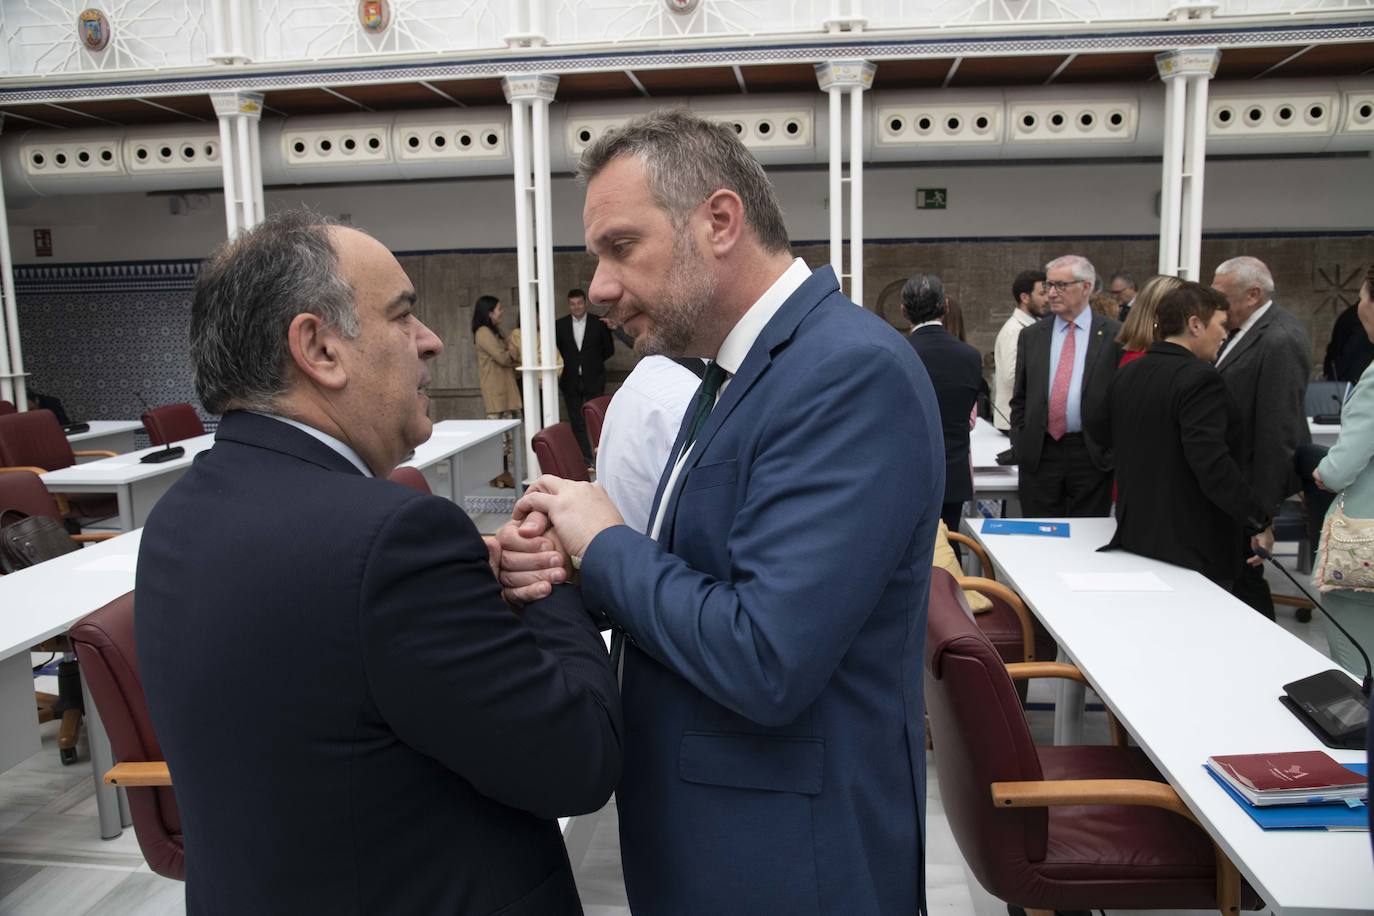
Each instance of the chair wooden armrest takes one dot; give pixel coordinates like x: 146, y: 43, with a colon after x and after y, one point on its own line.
x: 1145, y: 792
x: 25, y: 467
x: 1025, y: 671
x: 95, y: 453
x: 129, y: 775
x: 1294, y: 601
x: 984, y: 562
x: 93, y: 536
x: 993, y: 589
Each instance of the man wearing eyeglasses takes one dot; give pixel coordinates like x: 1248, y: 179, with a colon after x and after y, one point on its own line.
x: 1121, y: 287
x: 1063, y: 369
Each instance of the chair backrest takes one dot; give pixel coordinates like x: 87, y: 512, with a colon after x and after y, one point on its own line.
x: 7, y: 408
x: 558, y: 452
x: 410, y: 477
x: 980, y: 737
x: 1325, y: 399
x: 104, y: 642
x: 34, y: 438
x: 594, y: 415
x: 24, y: 490
x: 172, y: 423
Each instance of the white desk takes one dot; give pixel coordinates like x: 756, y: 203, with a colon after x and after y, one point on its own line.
x: 1190, y: 673
x: 1324, y: 433
x: 41, y: 602
x: 106, y: 435
x: 990, y: 479
x: 479, y: 455
x: 137, y: 486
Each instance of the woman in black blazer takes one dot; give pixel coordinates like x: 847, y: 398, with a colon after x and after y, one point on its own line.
x: 1181, y: 495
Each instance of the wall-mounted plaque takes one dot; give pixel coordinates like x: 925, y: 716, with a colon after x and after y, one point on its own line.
x: 93, y: 28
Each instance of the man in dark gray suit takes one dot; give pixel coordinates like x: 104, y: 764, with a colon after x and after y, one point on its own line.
x: 1064, y: 365
x: 1265, y: 363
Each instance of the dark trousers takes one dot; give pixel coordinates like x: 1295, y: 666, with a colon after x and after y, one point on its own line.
x: 1250, y: 585
x: 1066, y: 484
x: 952, y: 513
x: 579, y: 425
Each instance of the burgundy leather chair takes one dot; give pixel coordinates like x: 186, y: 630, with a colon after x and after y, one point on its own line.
x: 1016, y: 633
x: 1053, y: 828
x: 7, y: 407
x: 172, y: 423
x: 104, y: 641
x: 411, y: 477
x: 594, y: 415
x: 558, y: 452
x: 34, y: 440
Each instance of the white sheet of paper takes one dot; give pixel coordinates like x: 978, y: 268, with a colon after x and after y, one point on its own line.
x: 1115, y: 582
x: 124, y: 563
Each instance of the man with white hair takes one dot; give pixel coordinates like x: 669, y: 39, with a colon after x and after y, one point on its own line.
x: 1265, y: 362
x: 1063, y: 368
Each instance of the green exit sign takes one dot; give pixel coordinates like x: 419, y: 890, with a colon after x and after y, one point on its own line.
x: 931, y: 198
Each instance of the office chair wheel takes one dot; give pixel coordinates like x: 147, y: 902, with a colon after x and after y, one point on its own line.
x: 67, y: 755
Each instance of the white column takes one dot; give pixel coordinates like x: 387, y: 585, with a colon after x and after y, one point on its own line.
x: 12, y: 382
x: 837, y: 77
x: 529, y: 97
x: 1185, y: 75
x: 238, y: 114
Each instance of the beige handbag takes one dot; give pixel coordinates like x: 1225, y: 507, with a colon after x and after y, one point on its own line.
x: 1345, y: 556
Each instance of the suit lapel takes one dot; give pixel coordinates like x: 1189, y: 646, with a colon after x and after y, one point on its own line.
x: 779, y: 330
x: 1250, y: 339
x: 1097, y: 340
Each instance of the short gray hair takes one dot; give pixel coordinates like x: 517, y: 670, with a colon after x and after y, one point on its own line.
x: 686, y: 160
x: 1249, y: 272
x: 1081, y: 267
x: 245, y: 297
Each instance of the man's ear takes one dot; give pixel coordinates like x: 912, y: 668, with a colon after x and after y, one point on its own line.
x: 725, y: 213
x: 315, y: 351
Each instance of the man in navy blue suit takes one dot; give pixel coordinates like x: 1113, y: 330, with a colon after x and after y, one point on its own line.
x: 775, y: 612
x: 354, y: 719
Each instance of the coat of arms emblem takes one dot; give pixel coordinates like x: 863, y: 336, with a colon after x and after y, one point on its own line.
x: 375, y: 15
x: 94, y: 29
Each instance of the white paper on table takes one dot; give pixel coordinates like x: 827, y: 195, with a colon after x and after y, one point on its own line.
x: 1115, y: 582
x: 121, y: 563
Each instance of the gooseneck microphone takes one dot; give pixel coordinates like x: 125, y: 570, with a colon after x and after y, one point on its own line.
x: 1328, y: 703
x: 169, y: 451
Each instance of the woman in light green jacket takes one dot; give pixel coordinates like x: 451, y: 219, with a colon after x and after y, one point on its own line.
x: 1348, y: 469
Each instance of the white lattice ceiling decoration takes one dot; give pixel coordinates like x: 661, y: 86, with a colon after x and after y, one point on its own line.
x: 41, y: 36
x: 575, y: 21
x: 325, y: 29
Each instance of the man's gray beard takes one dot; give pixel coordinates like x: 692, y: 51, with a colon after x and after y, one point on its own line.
x: 689, y: 291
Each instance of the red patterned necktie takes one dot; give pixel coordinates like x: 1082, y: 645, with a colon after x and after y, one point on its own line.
x: 1059, y: 393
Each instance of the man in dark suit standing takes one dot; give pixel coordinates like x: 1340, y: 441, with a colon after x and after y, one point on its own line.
x: 956, y: 371
x: 355, y: 719
x: 1121, y: 287
x: 1266, y: 363
x: 1063, y: 367
x: 585, y: 343
x: 1174, y: 433
x: 776, y: 609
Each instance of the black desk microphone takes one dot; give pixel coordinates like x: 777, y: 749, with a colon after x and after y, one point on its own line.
x: 1329, y: 703
x: 169, y: 451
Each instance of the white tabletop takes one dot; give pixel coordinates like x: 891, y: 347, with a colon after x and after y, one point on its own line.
x: 985, y: 442
x: 473, y: 430
x: 1323, y: 433
x: 126, y: 468
x: 1194, y: 672
x: 105, y: 428
x: 46, y: 599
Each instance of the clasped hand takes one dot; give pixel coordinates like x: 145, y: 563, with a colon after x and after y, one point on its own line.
x: 554, y: 520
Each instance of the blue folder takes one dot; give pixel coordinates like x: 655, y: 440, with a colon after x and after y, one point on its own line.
x: 1325, y: 816
x: 1020, y: 526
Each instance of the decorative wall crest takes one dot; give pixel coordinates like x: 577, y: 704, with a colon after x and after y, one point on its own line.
x: 93, y: 29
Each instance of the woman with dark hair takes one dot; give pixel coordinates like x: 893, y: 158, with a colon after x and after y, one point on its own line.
x: 495, y: 371
x: 1175, y: 434
x: 956, y: 372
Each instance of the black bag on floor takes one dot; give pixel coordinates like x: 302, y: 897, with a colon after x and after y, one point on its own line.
x: 27, y: 540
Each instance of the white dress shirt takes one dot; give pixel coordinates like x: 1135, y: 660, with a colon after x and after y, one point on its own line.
x: 735, y: 348
x: 338, y: 445
x: 1004, y: 365
x: 579, y: 326
x: 638, y: 433
x: 1255, y: 316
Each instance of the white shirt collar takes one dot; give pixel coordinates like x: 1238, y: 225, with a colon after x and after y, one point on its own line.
x: 1083, y: 321
x: 1255, y: 316
x: 926, y: 324
x: 741, y: 338
x: 338, y: 445
x: 1025, y: 318
x: 577, y: 320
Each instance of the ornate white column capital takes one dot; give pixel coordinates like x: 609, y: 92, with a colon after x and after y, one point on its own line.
x: 1192, y: 62
x: 237, y: 104
x: 529, y: 87
x: 845, y: 74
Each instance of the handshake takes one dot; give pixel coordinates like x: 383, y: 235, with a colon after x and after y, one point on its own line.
x: 554, y: 522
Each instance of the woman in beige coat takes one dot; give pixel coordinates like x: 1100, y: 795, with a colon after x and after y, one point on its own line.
x: 495, y: 371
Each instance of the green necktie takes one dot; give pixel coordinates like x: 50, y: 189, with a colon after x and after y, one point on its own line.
x: 706, y: 399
